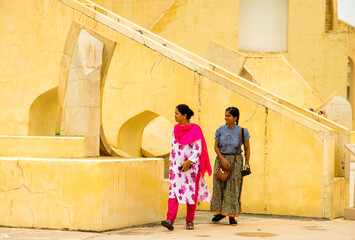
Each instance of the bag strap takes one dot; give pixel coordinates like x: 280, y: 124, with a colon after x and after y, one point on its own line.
x: 245, y: 153
x: 240, y: 143
x: 243, y: 135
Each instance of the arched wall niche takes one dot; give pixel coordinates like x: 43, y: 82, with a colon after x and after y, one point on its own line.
x: 156, y: 141
x: 130, y: 134
x: 145, y: 135
x: 43, y: 114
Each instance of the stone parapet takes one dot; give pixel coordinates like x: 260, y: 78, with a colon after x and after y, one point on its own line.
x: 42, y: 146
x: 81, y: 194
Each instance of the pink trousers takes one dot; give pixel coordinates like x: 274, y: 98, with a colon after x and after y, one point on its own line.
x: 173, y: 206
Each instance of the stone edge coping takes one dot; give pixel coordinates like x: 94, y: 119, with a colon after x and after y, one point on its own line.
x: 89, y: 160
x: 44, y: 137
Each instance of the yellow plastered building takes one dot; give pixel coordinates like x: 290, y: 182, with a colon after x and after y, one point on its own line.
x: 108, y: 86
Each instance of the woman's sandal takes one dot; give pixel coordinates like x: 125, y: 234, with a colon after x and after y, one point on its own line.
x: 190, y: 225
x: 218, y: 217
x: 232, y: 221
x: 168, y: 224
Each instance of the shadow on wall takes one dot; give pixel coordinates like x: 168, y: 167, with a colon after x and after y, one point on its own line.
x: 146, y: 135
x: 43, y: 113
x: 156, y: 141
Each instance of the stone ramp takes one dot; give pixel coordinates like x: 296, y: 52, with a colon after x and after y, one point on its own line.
x: 226, y: 58
x: 267, y: 70
x: 121, y: 24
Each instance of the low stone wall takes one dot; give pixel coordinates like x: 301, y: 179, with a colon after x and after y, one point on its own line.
x: 42, y: 146
x: 81, y: 194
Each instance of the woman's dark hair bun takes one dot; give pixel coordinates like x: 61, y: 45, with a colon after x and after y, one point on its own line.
x: 234, y: 112
x: 191, y: 112
x: 184, y: 109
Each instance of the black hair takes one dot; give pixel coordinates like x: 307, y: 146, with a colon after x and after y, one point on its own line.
x: 234, y: 112
x: 184, y: 109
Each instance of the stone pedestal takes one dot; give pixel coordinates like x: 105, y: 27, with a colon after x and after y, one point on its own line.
x: 81, y: 110
x: 349, y: 213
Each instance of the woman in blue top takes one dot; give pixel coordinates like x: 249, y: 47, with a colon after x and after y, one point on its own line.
x: 226, y: 195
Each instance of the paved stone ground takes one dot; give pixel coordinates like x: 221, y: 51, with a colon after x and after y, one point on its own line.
x: 249, y: 227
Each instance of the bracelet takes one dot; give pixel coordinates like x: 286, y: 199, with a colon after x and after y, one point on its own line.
x: 247, y: 166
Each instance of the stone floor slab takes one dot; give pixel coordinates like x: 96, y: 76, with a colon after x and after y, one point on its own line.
x: 250, y: 226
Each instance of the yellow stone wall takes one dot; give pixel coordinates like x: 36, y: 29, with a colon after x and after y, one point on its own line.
x: 339, y: 194
x: 278, y: 184
x: 83, y: 194
x: 319, y: 56
x: 350, y: 51
x: 193, y: 24
x: 275, y: 74
x: 190, y: 24
x: 29, y: 59
x: 142, y: 13
x: 151, y: 77
x: 352, y: 141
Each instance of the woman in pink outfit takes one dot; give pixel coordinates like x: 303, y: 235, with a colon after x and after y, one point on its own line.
x: 189, y: 162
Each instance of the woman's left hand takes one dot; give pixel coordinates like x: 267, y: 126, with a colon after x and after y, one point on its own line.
x: 246, y: 167
x: 186, y: 166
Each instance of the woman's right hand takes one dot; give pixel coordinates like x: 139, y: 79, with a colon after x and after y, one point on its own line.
x: 225, y: 163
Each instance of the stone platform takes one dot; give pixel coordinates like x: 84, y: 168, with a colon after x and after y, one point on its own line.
x: 91, y: 194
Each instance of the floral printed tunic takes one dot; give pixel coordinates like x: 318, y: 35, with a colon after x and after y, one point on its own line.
x: 183, y: 184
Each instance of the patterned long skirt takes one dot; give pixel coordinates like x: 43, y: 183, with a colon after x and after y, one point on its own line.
x: 226, y: 195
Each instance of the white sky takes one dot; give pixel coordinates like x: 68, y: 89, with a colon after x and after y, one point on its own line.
x: 346, y: 11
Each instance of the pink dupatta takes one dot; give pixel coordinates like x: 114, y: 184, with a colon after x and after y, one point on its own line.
x: 191, y: 133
